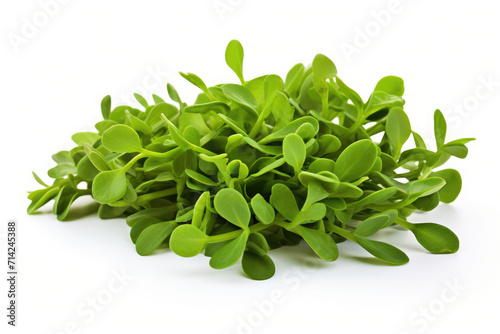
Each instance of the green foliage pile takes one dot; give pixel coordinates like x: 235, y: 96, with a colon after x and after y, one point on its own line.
x: 262, y: 164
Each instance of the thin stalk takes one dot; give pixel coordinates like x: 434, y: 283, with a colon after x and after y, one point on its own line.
x: 147, y: 197
x: 234, y: 234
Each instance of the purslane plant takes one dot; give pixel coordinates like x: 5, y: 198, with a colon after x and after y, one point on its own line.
x: 262, y: 164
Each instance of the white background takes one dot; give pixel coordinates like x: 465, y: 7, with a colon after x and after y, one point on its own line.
x: 52, y: 81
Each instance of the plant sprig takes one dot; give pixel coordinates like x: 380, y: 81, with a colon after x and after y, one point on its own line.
x: 265, y: 163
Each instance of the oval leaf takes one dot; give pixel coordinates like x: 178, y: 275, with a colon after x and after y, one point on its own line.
x: 230, y: 253
x: 232, y: 206
x: 152, y: 237
x: 257, y: 267
x: 294, y: 151
x: 383, y: 251
x: 436, y: 238
x: 320, y: 242
x: 187, y: 241
x: 234, y: 58
x: 109, y: 186
x: 121, y: 138
x: 356, y: 160
x: 263, y: 210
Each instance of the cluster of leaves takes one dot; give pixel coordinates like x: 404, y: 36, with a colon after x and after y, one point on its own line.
x: 262, y: 164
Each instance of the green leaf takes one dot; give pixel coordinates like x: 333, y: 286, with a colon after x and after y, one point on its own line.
x: 203, y: 108
x: 200, y: 178
x: 63, y: 157
x: 327, y: 180
x: 141, y: 100
x: 380, y: 100
x: 195, y: 80
x: 427, y: 203
x: 398, y: 129
x: 104, y: 125
x: 376, y: 197
x: 290, y: 128
x: 237, y: 169
x: 82, y: 138
x: 294, y: 151
x: 450, y: 191
x: 140, y: 225
x: 86, y: 170
x: 457, y: 150
x: 375, y: 223
x: 180, y: 140
x: 328, y: 144
x: 424, y: 187
x: 306, y: 131
x: 121, y: 138
x: 230, y: 253
x: 39, y: 180
x: 263, y: 210
x: 232, y: 206
x: 356, y: 160
x: 281, y: 110
x: 157, y: 99
x: 41, y: 197
x: 335, y: 203
x: 350, y: 94
x: 108, y: 212
x: 320, y: 242
x: 109, y: 186
x: 321, y: 165
x: 187, y: 241
x: 323, y: 67
x: 241, y: 95
x: 383, y: 251
x: 435, y: 238
x: 439, y: 128
x: 63, y: 201
x: 257, y: 267
x: 312, y: 214
x: 283, y: 200
x: 62, y: 170
x: 273, y: 84
x: 154, y: 115
x: 199, y: 208
x: 163, y: 213
x: 234, y: 58
x: 269, y: 167
x: 106, y: 106
x: 97, y: 158
x: 172, y: 93
x: 258, y: 244
x: 152, y: 237
x: 419, y: 142
x: 391, y: 84
x: 137, y: 124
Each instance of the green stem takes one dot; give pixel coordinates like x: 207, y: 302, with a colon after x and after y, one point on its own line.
x: 356, y: 125
x: 324, y: 104
x: 296, y: 106
x: 404, y: 223
x: 259, y: 124
x: 146, y: 197
x: 379, y: 127
x: 426, y: 171
x: 132, y: 162
x: 83, y: 192
x: 344, y: 233
x: 256, y: 127
x: 234, y: 234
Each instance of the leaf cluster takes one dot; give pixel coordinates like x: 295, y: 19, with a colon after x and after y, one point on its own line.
x: 261, y: 164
